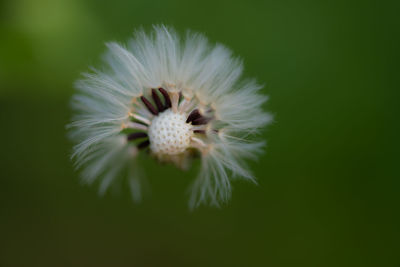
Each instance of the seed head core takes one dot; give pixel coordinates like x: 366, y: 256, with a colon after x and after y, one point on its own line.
x: 169, y: 133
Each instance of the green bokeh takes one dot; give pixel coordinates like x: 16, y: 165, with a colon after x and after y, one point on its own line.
x: 329, y: 187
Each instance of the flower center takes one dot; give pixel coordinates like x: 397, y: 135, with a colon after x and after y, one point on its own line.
x: 169, y: 133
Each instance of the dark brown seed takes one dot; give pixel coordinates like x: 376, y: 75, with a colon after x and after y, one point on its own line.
x: 166, y: 97
x: 134, y: 136
x: 201, y: 121
x: 157, y: 100
x: 149, y: 106
x: 143, y: 144
x: 195, y: 114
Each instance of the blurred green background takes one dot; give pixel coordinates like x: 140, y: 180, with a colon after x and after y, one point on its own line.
x: 329, y: 186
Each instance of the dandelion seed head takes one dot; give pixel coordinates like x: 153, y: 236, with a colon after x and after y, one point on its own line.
x: 175, y: 98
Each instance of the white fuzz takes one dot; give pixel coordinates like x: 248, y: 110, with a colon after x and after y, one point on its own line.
x: 169, y: 133
x: 180, y: 99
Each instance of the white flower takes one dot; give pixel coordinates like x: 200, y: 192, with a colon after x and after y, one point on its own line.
x: 179, y: 99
